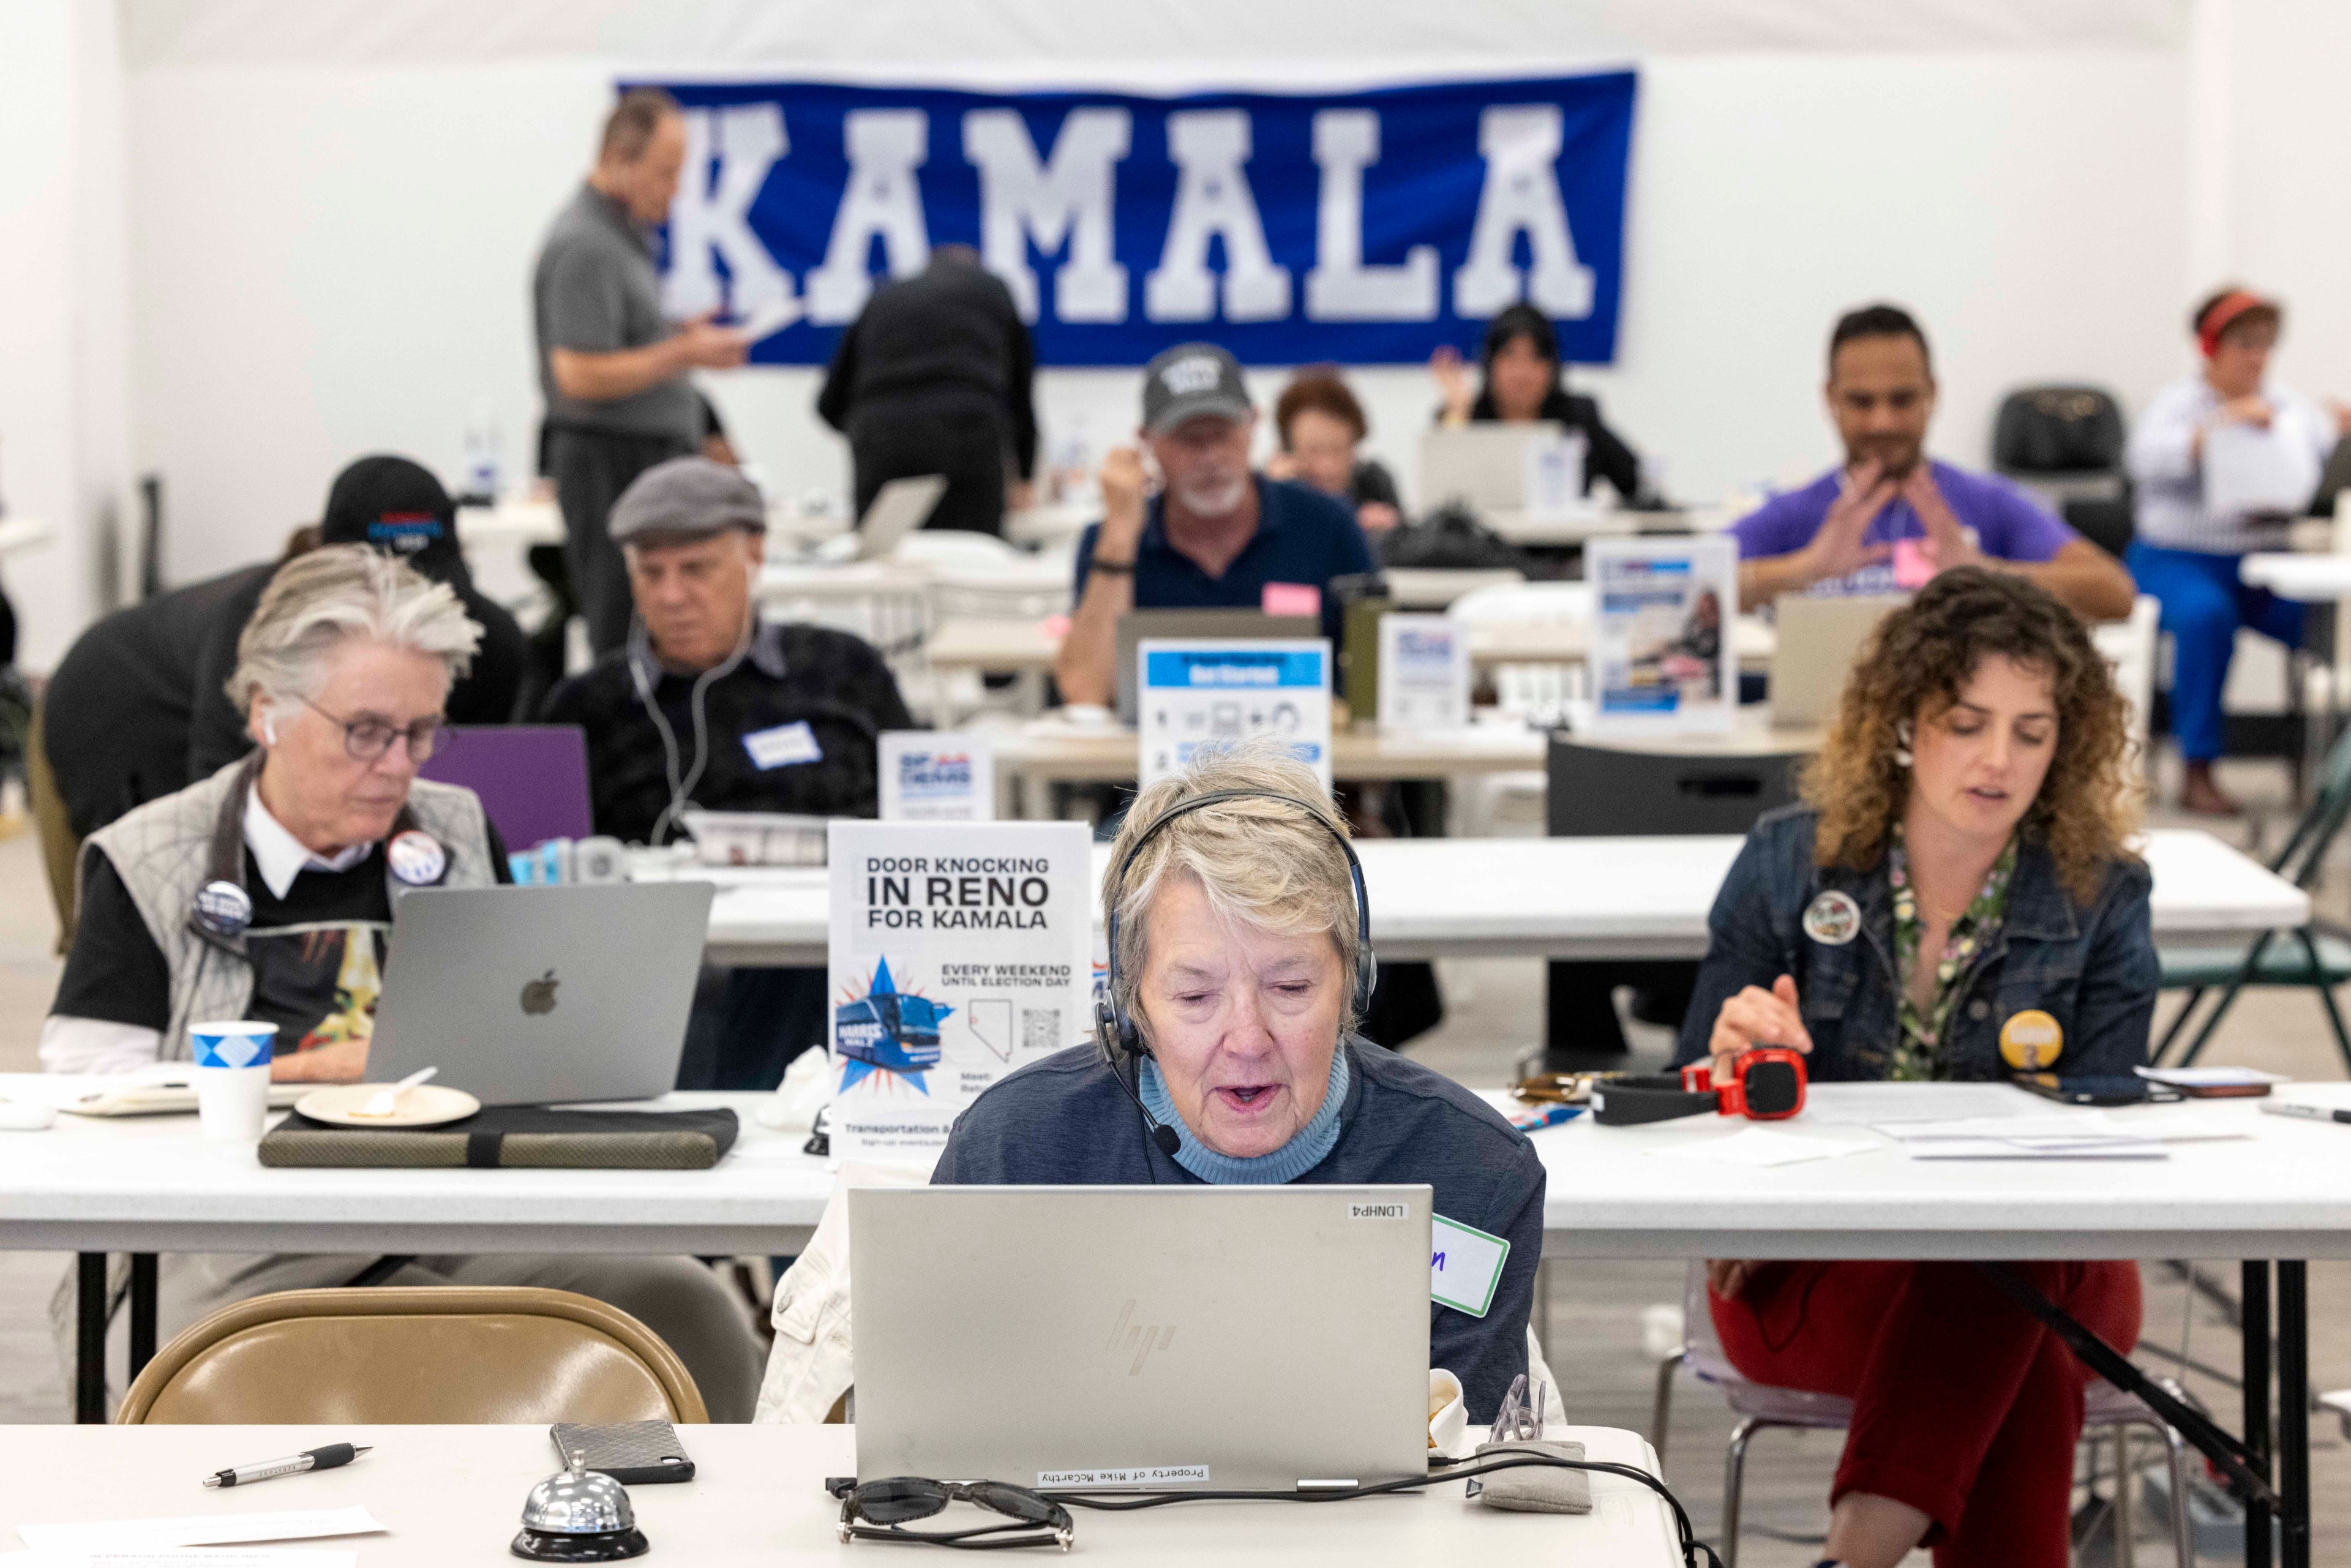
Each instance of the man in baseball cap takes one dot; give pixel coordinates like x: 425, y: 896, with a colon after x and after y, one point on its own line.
x: 709, y: 706
x: 1215, y: 536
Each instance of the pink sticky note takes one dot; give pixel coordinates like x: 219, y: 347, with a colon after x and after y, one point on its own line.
x: 1914, y: 563
x: 1291, y: 598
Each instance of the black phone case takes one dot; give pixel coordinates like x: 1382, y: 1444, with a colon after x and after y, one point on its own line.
x: 633, y: 1453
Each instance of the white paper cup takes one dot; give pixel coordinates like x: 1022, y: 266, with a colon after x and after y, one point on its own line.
x: 232, y: 1077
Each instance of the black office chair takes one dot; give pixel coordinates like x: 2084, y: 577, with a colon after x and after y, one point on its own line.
x: 2058, y: 432
x: 1593, y: 792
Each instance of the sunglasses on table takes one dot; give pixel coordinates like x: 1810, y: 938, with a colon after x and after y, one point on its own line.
x: 885, y: 1506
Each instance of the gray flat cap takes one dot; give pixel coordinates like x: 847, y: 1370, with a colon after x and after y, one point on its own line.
x: 687, y: 497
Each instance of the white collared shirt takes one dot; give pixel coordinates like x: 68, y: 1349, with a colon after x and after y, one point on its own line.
x: 279, y: 856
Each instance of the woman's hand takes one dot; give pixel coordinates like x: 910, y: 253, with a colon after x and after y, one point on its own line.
x: 1377, y: 517
x: 344, y: 1062
x: 1455, y: 391
x: 1757, y: 1017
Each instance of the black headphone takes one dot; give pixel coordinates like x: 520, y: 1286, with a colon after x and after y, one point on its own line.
x: 1119, y: 1035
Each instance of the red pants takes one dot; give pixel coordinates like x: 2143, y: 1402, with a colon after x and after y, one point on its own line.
x: 1964, y: 1407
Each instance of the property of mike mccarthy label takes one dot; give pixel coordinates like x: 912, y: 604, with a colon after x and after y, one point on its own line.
x: 1146, y: 1476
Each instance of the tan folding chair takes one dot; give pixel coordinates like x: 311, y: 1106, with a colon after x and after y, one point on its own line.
x: 397, y: 1356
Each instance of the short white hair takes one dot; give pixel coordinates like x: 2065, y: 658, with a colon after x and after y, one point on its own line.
x: 1262, y: 862
x: 339, y: 593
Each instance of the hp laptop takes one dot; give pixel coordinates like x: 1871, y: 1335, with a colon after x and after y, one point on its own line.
x: 899, y: 507
x: 1820, y: 635
x: 526, y: 996
x: 1141, y: 1339
x: 1206, y: 626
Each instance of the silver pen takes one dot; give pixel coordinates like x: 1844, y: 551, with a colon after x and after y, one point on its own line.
x: 326, y: 1458
x: 2304, y: 1110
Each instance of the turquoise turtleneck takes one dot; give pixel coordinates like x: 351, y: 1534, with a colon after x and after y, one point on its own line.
x: 1304, y: 1150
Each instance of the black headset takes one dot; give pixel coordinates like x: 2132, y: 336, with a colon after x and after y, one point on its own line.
x: 1121, y: 1038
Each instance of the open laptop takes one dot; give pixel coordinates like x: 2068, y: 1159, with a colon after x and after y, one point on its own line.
x: 1142, y: 1338
x: 1137, y: 626
x: 1820, y: 635
x: 1484, y: 466
x: 529, y: 996
x: 899, y: 507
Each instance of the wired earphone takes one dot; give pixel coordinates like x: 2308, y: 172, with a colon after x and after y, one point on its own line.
x: 1121, y: 1037
x: 681, y: 786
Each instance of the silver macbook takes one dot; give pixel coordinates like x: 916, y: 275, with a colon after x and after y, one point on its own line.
x: 1819, y: 637
x: 1142, y: 1338
x: 528, y: 995
x: 1482, y: 465
x: 899, y: 507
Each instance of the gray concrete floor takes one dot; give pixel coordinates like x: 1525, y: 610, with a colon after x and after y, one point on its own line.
x: 1593, y: 1333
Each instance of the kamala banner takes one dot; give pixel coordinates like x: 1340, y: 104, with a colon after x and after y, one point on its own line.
x: 1360, y: 227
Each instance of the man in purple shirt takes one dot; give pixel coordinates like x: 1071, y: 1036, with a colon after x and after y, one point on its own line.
x: 1889, y: 518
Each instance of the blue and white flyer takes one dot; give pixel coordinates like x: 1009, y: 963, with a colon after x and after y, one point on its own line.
x: 1664, y: 653
x: 1191, y: 695
x: 959, y: 951
x: 936, y: 775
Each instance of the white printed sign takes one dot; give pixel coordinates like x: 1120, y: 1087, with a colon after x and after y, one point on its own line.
x: 1199, y: 694
x: 1554, y: 474
x: 959, y: 951
x: 936, y: 775
x: 1663, y: 645
x: 1424, y: 674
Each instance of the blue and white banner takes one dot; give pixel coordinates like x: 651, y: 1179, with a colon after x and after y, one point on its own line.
x: 1362, y: 227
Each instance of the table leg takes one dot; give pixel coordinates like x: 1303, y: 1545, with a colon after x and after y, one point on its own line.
x: 90, y: 1338
x: 2293, y: 1410
x: 2255, y: 1318
x: 142, y: 1312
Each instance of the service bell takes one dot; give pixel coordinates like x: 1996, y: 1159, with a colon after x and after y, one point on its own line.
x: 580, y: 1515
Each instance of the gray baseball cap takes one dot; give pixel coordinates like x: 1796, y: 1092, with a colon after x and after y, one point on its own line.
x: 1192, y: 378
x: 687, y: 497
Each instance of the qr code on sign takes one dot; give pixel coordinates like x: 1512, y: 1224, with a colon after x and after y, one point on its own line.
x: 1041, y: 1029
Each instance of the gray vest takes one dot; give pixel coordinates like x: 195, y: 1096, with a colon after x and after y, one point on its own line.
x: 168, y: 848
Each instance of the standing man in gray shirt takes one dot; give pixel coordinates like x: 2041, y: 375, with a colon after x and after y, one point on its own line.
x: 613, y: 372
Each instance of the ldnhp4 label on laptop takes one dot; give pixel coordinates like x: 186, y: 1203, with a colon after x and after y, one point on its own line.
x: 1465, y: 1266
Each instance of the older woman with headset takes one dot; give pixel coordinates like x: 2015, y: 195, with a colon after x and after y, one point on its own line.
x: 1238, y: 967
x: 1957, y: 891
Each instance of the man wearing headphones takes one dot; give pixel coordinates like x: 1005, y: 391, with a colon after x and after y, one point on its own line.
x: 708, y: 706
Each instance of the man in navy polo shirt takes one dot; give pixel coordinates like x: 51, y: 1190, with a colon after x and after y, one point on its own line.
x: 1215, y: 537
x: 1888, y: 518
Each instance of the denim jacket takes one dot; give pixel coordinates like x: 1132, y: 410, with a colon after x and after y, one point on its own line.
x: 2092, y: 969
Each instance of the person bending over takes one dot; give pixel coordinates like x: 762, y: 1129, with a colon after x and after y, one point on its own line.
x: 1239, y: 953
x: 1960, y: 862
x: 264, y: 892
x: 1888, y: 518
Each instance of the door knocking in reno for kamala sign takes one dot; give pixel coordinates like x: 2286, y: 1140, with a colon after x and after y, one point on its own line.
x: 1362, y: 227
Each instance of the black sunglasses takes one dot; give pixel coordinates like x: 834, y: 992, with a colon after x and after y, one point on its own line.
x: 899, y: 1499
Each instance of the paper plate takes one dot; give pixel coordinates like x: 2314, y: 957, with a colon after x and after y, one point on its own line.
x: 426, y: 1106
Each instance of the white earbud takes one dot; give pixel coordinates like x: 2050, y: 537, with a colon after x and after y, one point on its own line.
x: 1902, y: 756
x: 268, y: 730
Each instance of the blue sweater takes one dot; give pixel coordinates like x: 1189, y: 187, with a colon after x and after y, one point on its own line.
x: 1064, y: 1121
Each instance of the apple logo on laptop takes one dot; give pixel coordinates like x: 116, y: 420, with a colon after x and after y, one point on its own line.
x: 538, y: 995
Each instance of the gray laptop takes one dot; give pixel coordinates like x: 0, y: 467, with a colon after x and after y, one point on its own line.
x: 528, y: 995
x: 1819, y: 636
x: 1142, y: 1338
x: 899, y: 507
x: 1482, y: 465
x: 1197, y: 626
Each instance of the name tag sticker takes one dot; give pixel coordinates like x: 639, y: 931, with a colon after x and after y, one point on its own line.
x: 783, y: 746
x: 1465, y: 1266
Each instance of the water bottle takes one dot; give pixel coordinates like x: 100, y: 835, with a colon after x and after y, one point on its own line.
x: 482, y: 456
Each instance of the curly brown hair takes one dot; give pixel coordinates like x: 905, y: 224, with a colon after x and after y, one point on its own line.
x: 1915, y: 667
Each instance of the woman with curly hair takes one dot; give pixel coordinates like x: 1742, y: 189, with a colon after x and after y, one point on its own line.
x: 1961, y: 859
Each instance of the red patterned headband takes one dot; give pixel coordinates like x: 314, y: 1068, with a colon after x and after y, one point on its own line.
x: 2227, y: 312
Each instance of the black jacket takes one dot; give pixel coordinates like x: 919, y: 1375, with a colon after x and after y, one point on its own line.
x: 833, y: 683
x: 951, y: 327
x: 488, y: 695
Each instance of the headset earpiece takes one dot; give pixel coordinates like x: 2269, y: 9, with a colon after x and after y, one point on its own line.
x: 268, y: 728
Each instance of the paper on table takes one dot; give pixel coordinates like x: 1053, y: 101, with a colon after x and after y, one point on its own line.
x: 185, y: 1557
x: 1877, y: 1104
x: 132, y: 1534
x: 2209, y: 1077
x: 1763, y: 1147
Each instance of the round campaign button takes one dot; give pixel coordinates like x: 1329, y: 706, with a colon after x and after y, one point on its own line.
x: 2030, y: 1041
x: 417, y: 858
x: 1832, y: 919
x: 224, y: 908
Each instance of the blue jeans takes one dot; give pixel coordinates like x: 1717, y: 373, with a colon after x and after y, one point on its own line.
x: 2204, y: 602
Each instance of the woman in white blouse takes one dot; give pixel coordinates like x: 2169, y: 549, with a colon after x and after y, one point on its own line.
x: 2221, y: 462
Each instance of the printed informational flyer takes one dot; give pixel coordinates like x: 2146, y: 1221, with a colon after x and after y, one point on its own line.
x: 1197, y: 694
x: 936, y: 775
x: 959, y: 951
x: 1664, y: 656
x: 1424, y: 674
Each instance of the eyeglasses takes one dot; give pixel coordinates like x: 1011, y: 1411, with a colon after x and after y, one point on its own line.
x: 1037, y: 1521
x: 366, y: 739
